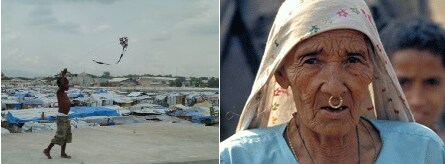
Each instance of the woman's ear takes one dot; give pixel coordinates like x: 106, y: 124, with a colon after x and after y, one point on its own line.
x: 281, y: 77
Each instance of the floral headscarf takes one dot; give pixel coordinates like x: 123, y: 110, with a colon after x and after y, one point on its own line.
x: 297, y: 20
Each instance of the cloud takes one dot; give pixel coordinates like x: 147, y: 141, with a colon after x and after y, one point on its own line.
x: 41, y: 11
x: 51, y: 35
x: 42, y: 16
x: 163, y: 36
x: 101, y: 28
x: 45, y: 17
x: 201, y: 19
x: 50, y: 2
x: 84, y: 29
x: 105, y: 2
x: 11, y: 35
x: 26, y: 61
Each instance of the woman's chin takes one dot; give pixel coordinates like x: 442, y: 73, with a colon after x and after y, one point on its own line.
x: 337, y: 124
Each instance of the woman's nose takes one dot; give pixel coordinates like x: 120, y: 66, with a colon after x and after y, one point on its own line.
x: 333, y: 83
x: 416, y: 97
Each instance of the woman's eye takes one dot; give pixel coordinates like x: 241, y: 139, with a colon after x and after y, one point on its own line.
x: 432, y: 82
x: 311, y: 61
x: 353, y: 60
x: 403, y: 81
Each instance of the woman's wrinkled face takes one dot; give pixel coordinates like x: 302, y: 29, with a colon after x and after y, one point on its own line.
x: 334, y: 63
x: 422, y: 77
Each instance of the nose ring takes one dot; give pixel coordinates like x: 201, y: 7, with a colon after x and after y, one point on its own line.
x: 335, y: 106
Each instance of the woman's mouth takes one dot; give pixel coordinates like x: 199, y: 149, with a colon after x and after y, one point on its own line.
x: 339, y: 109
x: 334, y: 113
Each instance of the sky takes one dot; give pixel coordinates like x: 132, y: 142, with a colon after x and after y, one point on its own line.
x: 40, y: 38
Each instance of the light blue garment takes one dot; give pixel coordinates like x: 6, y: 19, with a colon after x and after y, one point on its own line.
x: 402, y: 143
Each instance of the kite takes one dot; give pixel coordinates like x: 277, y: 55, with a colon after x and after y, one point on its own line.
x: 98, y: 62
x: 124, y: 44
x: 123, y: 41
x: 120, y: 58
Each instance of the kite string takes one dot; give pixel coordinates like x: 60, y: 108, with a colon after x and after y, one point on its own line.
x: 99, y: 62
x: 123, y: 42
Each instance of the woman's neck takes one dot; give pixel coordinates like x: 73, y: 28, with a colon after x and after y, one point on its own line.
x: 332, y: 149
x: 311, y: 147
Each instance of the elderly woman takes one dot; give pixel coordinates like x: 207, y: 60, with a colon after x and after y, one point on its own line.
x: 326, y: 93
x: 416, y: 48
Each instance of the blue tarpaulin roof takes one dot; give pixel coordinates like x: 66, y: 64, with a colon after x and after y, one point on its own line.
x: 23, y: 94
x: 196, y: 117
x: 101, y: 91
x: 75, y: 95
x: 75, y: 112
x: 33, y: 102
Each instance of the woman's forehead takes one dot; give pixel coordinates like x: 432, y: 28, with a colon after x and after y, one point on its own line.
x: 338, y: 35
x: 335, y: 39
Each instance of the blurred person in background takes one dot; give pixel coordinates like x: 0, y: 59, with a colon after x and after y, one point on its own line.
x: 384, y: 11
x: 416, y: 48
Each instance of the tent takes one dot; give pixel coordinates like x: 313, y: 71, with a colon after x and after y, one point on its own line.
x: 21, y: 116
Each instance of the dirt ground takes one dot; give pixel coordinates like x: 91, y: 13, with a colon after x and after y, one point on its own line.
x: 129, y: 143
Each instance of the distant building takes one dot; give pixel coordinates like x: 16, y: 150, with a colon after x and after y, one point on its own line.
x: 100, y: 81
x: 39, y: 82
x: 7, y: 83
x: 16, y: 83
x: 186, y: 84
x: 155, y: 81
x: 174, y: 99
x: 115, y: 82
x: 161, y: 100
x: 83, y: 79
x: 128, y: 83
